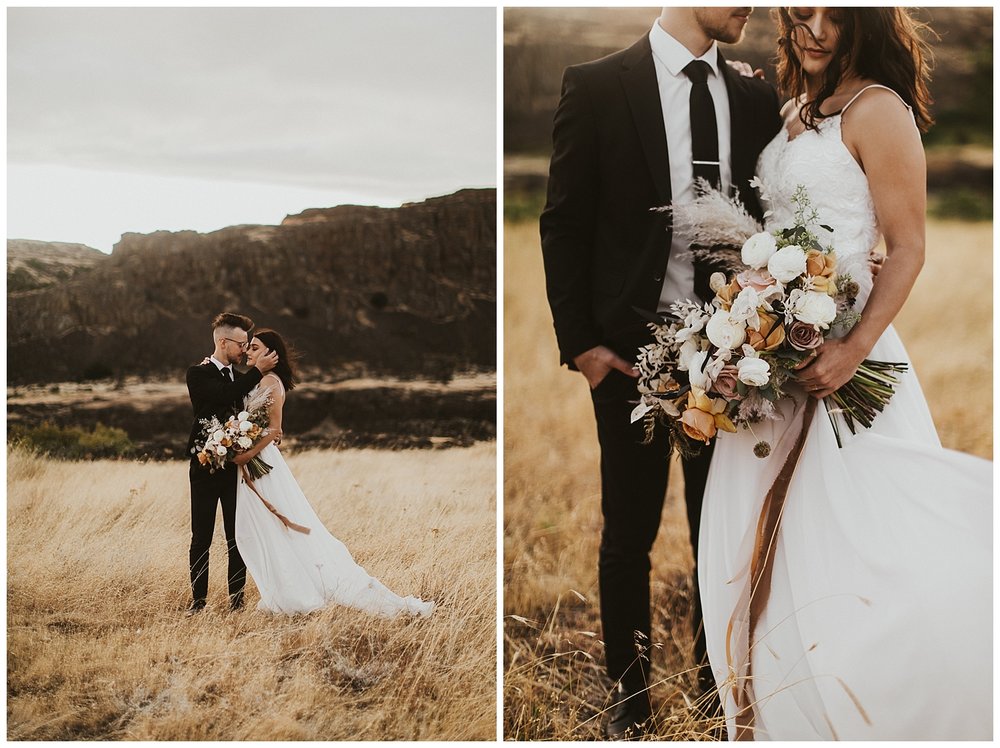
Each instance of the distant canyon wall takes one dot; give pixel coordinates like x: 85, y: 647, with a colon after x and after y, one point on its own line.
x: 409, y: 290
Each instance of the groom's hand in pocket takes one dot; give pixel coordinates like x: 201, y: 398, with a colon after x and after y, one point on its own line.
x: 266, y: 362
x: 595, y: 364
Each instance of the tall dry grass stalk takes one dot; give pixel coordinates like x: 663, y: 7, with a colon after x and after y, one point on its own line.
x: 554, y: 688
x: 98, y: 647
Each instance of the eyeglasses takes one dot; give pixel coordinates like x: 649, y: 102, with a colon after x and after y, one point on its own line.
x: 243, y: 344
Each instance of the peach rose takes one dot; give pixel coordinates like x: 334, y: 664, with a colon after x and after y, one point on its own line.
x: 699, y: 425
x: 820, y: 263
x: 770, y: 333
x: 705, y: 416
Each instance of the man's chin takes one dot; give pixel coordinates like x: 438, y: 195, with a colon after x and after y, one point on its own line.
x: 733, y: 38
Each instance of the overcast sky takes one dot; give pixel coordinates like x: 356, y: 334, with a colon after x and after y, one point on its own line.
x: 138, y: 119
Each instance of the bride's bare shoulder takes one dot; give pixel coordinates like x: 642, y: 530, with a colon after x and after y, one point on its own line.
x: 878, y: 113
x: 273, y: 382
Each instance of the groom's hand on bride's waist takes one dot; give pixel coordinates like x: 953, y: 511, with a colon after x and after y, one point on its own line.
x: 595, y: 364
x: 266, y: 362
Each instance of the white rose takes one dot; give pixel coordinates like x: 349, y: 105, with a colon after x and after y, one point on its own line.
x: 725, y: 332
x: 813, y: 307
x: 757, y: 250
x: 246, y: 442
x: 242, y: 415
x: 696, y: 376
x: 221, y: 450
x: 787, y: 264
x: 753, y: 371
x: 245, y: 426
x: 219, y: 435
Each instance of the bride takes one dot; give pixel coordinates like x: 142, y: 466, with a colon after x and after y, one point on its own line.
x: 297, y: 564
x: 870, y: 615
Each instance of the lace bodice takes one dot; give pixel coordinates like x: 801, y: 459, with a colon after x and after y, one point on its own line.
x: 837, y: 187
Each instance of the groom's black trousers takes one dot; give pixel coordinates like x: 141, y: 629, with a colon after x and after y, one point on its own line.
x: 633, y: 487
x: 207, y: 492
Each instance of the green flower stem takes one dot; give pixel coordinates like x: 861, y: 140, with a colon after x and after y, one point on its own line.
x: 865, y: 396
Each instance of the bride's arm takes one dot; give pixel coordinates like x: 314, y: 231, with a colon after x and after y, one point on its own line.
x: 879, y: 132
x: 273, y: 418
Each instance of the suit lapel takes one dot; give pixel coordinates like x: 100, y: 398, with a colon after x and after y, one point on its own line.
x: 638, y: 78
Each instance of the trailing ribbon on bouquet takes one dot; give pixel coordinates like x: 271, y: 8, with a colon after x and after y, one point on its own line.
x: 758, y: 588
x: 284, y: 520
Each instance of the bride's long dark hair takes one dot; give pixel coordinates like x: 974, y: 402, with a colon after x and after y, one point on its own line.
x: 287, y: 356
x: 881, y: 44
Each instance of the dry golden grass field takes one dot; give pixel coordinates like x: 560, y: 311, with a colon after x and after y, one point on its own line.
x: 98, y: 646
x: 553, y: 683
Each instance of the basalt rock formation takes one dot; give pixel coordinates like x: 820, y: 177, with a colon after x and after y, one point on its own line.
x: 406, y: 291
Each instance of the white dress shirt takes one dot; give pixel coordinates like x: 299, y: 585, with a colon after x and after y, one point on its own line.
x: 220, y: 366
x: 670, y: 57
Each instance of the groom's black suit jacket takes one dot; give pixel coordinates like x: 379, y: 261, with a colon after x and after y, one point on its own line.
x: 213, y: 395
x: 605, y: 253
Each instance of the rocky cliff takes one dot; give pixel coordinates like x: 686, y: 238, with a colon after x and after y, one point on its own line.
x: 409, y: 290
x: 32, y: 264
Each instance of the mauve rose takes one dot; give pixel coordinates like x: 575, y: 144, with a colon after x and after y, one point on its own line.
x: 725, y: 383
x: 804, y: 337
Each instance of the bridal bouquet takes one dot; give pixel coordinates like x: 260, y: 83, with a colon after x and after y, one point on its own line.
x: 220, y: 442
x: 725, y: 364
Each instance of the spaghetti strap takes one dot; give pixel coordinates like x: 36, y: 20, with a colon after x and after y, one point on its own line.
x: 873, y: 85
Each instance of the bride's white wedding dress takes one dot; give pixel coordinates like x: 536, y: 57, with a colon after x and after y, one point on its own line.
x: 878, y: 623
x: 296, y: 572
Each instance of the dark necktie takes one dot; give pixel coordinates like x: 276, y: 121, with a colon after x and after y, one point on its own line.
x: 226, y: 375
x: 704, y: 129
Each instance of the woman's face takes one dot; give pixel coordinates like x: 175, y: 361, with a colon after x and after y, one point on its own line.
x: 815, y: 37
x: 254, y: 352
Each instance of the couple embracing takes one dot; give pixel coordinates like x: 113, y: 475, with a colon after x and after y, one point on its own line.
x: 876, y: 618
x: 270, y: 527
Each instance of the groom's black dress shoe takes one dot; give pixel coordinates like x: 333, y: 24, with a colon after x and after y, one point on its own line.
x: 630, y: 715
x: 196, y: 607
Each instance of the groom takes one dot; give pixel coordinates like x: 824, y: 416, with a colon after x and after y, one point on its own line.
x: 631, y: 132
x: 216, y: 390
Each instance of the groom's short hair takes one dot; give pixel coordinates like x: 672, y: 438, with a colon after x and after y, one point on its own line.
x: 232, y: 321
